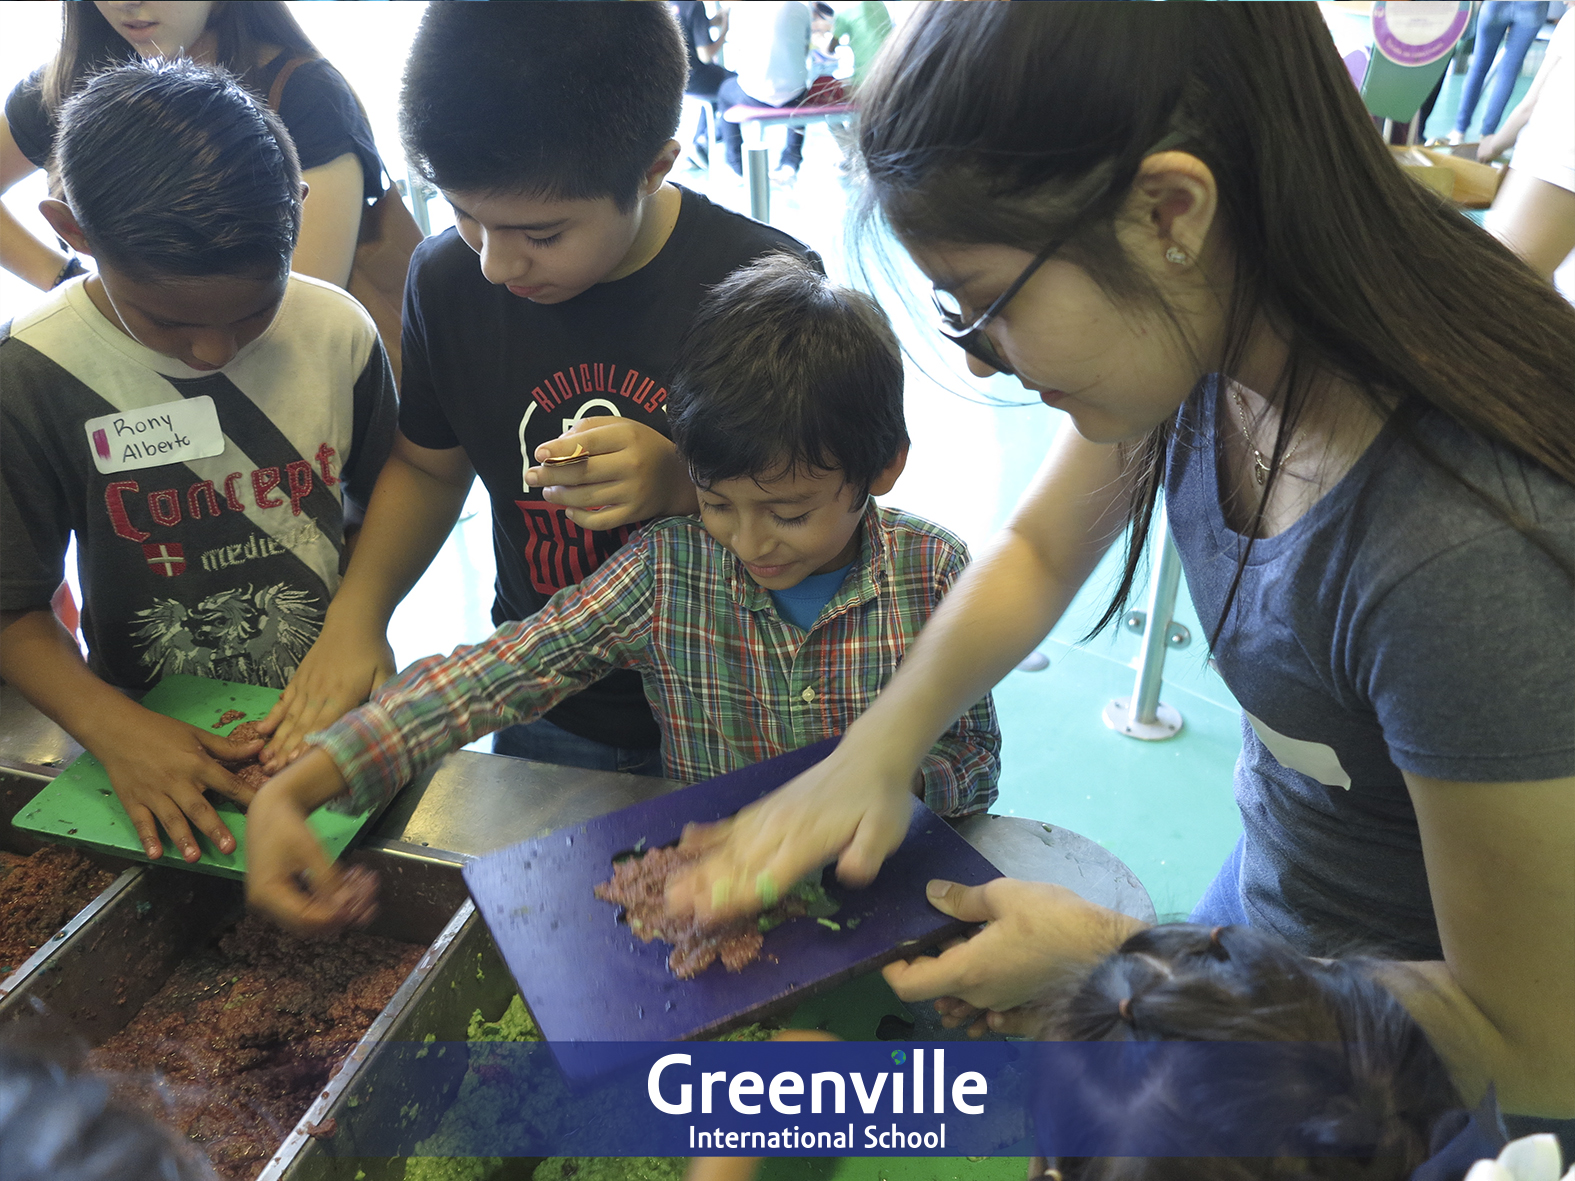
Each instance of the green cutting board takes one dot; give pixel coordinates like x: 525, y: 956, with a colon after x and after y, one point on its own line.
x: 79, y: 807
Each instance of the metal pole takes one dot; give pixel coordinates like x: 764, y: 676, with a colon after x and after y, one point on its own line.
x: 1142, y: 715
x: 1161, y: 603
x: 757, y: 168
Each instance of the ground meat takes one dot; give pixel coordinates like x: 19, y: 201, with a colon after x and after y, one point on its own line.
x: 228, y: 716
x: 252, y: 774
x: 39, y: 895
x: 247, y: 1031
x: 245, y: 732
x: 248, y: 771
x: 639, y: 884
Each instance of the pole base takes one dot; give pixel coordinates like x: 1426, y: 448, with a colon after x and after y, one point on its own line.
x: 1118, y: 716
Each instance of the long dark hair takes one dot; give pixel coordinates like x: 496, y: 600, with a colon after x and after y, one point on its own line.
x: 1018, y: 124
x: 89, y: 43
x: 1337, y: 1081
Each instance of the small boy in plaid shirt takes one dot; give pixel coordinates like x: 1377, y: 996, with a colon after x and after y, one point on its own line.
x: 767, y: 623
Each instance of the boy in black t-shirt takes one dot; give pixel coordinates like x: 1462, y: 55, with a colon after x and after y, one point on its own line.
x: 549, y: 128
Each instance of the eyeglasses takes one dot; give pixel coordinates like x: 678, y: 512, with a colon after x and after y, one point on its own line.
x: 971, y: 337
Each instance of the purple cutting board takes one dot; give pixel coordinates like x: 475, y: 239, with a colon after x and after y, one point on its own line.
x: 587, y: 978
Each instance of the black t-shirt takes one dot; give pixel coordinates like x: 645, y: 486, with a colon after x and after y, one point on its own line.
x: 705, y: 78
x: 318, y: 109
x: 499, y: 376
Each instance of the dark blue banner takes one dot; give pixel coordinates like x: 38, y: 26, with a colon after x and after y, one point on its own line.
x: 975, y: 1099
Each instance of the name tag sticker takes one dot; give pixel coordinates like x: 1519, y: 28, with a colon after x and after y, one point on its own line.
x: 172, y: 432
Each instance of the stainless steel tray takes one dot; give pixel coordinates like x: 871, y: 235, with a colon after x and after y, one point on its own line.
x: 460, y: 973
x: 20, y: 781
x: 123, y: 947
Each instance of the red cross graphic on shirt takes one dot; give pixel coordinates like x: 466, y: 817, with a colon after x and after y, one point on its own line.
x: 168, y: 559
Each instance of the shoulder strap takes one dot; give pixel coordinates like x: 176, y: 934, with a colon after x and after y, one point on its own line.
x: 276, y: 91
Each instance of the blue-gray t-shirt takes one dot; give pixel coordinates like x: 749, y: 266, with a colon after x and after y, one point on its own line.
x: 1400, y: 625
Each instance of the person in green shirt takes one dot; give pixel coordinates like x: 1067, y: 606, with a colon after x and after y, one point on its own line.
x: 866, y: 26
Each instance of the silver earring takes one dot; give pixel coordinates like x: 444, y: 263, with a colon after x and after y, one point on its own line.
x: 1176, y: 255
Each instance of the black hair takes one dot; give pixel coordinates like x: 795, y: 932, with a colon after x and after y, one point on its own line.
x: 243, y: 30
x: 173, y: 169
x: 782, y: 372
x: 1341, y: 1075
x: 1026, y: 124
x: 57, y: 1122
x: 565, y: 101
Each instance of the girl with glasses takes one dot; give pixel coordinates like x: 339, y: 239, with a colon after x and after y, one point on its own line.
x: 1177, y: 224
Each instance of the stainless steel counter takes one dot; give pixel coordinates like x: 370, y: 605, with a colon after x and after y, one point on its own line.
x: 474, y: 803
x: 29, y: 741
x: 1038, y: 852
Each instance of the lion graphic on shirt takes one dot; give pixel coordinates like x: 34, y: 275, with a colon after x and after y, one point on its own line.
x: 241, y: 634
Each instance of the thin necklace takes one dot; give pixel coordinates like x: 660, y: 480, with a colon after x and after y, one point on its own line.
x: 1260, y: 465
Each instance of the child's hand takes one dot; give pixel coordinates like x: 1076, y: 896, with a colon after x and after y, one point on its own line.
x: 1033, y: 933
x: 632, y: 474
x: 288, y: 876
x: 159, y: 768
x: 342, y: 670
x: 819, y: 817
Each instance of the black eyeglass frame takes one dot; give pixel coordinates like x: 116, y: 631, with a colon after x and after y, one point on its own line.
x: 972, y: 339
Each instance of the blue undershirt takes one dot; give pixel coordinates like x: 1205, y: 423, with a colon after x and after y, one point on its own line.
x: 801, y: 605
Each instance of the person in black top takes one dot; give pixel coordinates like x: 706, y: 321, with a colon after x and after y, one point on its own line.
x: 253, y: 41
x: 549, y: 128
x: 704, y: 37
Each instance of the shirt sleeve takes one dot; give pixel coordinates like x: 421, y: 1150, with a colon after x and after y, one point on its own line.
x: 30, y: 122
x: 325, y: 121
x: 439, y: 704
x: 35, y: 522
x: 1469, y: 661
x: 421, y: 418
x: 962, y: 772
x: 376, y: 409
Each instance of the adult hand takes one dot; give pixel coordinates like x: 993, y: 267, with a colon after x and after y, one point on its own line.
x: 835, y: 811
x: 633, y: 473
x: 159, y: 768
x: 288, y: 875
x: 343, y: 668
x: 1034, y: 934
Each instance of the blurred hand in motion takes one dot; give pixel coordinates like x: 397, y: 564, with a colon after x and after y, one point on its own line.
x: 288, y: 874
x: 835, y: 811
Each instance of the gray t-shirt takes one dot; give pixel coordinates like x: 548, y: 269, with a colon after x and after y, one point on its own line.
x: 1400, y: 625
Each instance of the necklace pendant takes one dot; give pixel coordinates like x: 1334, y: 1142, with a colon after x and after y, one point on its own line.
x: 1260, y: 470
